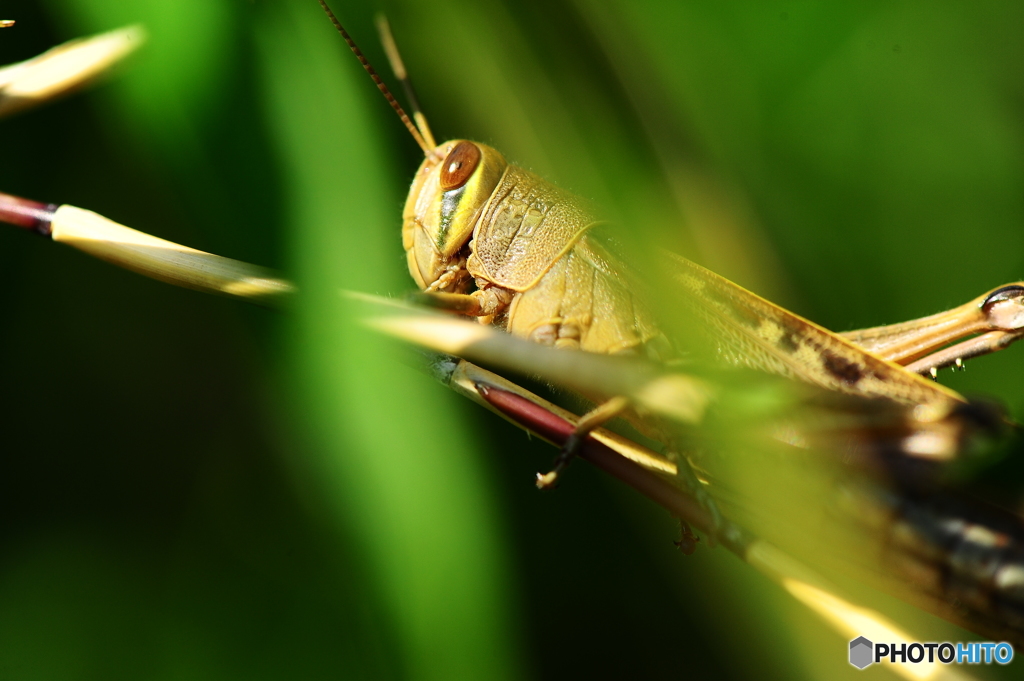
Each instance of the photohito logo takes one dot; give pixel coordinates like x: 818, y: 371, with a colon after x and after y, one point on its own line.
x: 864, y: 653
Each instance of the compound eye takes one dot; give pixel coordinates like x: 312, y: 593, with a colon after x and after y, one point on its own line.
x: 1005, y: 293
x: 459, y: 165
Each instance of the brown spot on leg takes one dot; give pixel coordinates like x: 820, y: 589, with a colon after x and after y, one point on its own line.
x: 789, y: 343
x: 841, y: 368
x: 791, y: 336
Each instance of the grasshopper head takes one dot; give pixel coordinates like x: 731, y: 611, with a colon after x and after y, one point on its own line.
x: 447, y: 197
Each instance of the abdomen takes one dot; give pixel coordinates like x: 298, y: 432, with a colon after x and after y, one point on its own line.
x: 583, y: 302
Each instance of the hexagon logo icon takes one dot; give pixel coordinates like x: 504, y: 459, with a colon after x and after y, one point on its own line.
x: 861, y: 652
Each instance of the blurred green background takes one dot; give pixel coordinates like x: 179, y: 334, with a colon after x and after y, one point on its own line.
x: 192, y: 488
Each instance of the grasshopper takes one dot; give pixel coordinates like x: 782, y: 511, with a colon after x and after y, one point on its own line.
x: 913, y: 382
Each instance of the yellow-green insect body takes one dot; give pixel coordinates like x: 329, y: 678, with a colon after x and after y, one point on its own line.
x: 518, y: 251
x: 474, y: 219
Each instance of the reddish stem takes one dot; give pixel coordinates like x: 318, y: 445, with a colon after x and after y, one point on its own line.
x: 557, y: 429
x: 27, y: 214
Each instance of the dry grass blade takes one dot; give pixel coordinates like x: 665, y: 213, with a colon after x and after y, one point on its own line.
x: 673, y: 395
x: 64, y: 68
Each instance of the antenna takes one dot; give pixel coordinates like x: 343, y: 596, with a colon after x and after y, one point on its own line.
x: 398, y: 67
x: 427, y: 149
